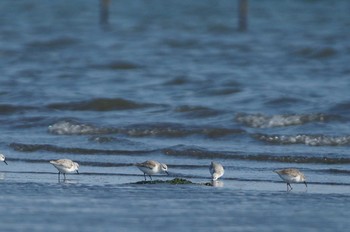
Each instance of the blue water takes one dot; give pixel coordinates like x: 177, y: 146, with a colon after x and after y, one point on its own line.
x: 178, y: 83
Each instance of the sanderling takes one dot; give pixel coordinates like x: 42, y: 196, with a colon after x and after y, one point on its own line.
x: 65, y: 166
x: 151, y: 167
x: 2, y: 158
x: 216, y: 170
x: 291, y: 175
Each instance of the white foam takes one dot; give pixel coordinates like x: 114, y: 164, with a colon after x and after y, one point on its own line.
x: 265, y: 121
x: 71, y: 128
x: 311, y: 140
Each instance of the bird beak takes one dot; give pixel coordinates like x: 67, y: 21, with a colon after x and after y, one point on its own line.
x: 167, y: 173
x: 77, y: 172
x: 305, y: 184
x: 5, y: 162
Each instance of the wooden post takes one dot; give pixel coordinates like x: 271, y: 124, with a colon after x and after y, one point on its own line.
x: 104, y: 11
x: 242, y: 15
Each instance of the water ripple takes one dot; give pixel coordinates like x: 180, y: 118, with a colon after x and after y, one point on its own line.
x: 21, y: 147
x: 99, y: 104
x: 202, y: 153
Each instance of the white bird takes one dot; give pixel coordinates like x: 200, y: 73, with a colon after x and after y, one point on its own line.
x: 216, y: 170
x: 2, y: 158
x: 151, y: 167
x: 291, y: 175
x: 65, y: 166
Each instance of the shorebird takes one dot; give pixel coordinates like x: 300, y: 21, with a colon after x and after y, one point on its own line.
x: 151, y: 167
x: 2, y: 158
x: 291, y: 175
x: 216, y: 170
x: 65, y: 166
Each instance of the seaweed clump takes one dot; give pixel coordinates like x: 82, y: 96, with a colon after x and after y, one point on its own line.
x: 175, y: 181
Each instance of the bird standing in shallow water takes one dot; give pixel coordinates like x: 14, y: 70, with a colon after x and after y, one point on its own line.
x: 291, y: 175
x: 65, y: 166
x: 2, y: 158
x: 216, y: 170
x: 151, y: 167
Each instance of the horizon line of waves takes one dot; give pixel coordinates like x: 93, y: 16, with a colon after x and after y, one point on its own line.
x: 74, y: 150
x: 310, y: 140
x: 70, y: 127
x: 99, y: 104
x: 280, y: 120
x: 201, y: 153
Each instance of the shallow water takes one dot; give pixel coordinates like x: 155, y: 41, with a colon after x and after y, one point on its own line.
x: 79, y: 205
x: 174, y: 82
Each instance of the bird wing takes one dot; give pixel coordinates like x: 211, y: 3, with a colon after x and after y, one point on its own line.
x: 64, y: 163
x: 147, y: 164
x: 290, y: 172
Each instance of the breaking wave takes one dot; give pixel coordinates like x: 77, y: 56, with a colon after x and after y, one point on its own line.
x: 265, y: 121
x: 67, y: 127
x: 109, y: 139
x: 311, y: 140
x: 75, y: 128
x: 177, y: 130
